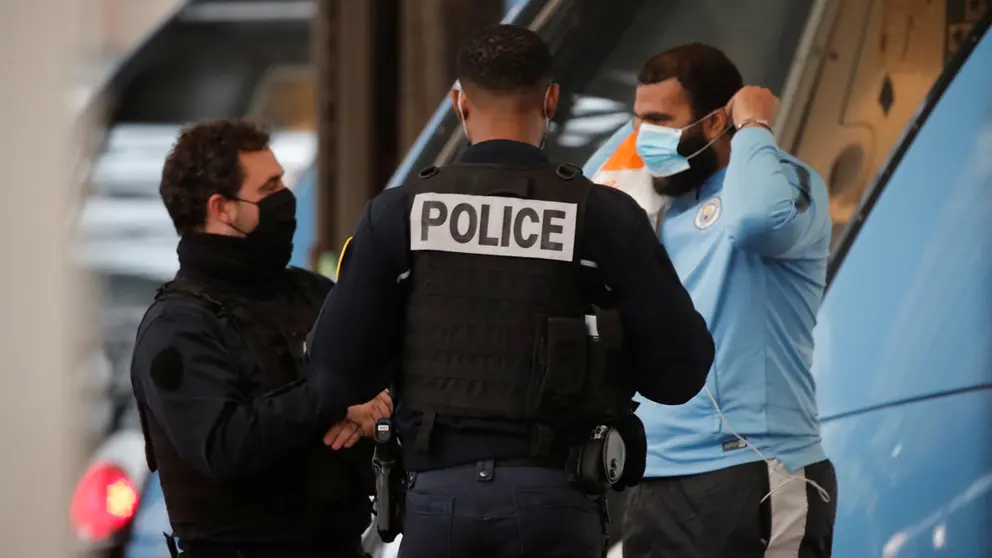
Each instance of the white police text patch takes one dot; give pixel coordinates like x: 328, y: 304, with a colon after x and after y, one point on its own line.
x: 493, y: 226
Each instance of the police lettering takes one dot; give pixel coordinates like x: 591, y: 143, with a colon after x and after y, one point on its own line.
x: 493, y: 225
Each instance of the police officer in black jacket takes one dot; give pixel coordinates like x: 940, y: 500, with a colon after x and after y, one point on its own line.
x: 232, y: 426
x: 526, y: 305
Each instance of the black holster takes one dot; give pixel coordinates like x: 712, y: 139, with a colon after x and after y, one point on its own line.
x: 601, y: 463
x: 390, y: 482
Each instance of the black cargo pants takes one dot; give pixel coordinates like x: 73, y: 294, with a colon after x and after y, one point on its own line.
x: 491, y: 511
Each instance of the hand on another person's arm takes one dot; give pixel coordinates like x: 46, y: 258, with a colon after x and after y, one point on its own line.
x: 359, y: 422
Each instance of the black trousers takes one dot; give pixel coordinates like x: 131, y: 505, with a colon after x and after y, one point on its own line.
x: 720, y: 514
x: 489, y: 511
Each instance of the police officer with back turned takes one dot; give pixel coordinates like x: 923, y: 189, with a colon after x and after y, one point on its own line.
x: 230, y: 422
x: 526, y: 306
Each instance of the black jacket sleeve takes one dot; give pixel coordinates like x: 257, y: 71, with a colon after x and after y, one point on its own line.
x: 671, y: 348
x: 354, y: 346
x: 182, y: 373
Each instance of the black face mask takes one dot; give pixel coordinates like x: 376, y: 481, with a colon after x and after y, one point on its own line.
x: 701, y: 167
x: 271, y: 241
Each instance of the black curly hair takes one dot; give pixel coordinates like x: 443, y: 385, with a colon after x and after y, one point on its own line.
x: 203, y: 162
x: 505, y: 59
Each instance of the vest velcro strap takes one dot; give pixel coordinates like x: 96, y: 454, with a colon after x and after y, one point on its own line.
x: 540, y: 442
x: 424, y: 432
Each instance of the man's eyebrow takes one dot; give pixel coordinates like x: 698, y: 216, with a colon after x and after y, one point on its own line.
x: 655, y: 116
x: 273, y: 181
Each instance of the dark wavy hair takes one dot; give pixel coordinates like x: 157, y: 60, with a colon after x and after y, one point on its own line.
x: 203, y: 162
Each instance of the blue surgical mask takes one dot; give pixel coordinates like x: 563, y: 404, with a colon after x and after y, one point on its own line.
x: 658, y: 147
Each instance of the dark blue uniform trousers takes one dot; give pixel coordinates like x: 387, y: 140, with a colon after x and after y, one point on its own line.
x: 487, y: 511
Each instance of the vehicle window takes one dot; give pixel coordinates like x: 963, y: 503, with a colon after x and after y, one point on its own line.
x: 196, y: 70
x: 883, y: 58
x: 286, y: 99
x: 907, y: 311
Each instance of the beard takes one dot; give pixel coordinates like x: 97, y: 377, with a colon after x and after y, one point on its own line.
x: 701, y: 167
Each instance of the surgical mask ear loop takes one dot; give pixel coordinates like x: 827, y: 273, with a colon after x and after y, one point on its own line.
x: 231, y: 224
x: 712, y: 141
x: 461, y: 113
x: 824, y: 495
x: 547, y: 119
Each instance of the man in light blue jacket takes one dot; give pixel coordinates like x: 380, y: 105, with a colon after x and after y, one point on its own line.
x: 739, y: 470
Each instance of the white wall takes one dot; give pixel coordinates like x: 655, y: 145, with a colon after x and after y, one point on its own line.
x: 38, y: 42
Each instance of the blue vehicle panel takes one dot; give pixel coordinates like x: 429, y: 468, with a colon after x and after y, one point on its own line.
x: 903, y: 356
x: 306, y: 218
x: 915, y: 480
x: 150, y: 522
x: 907, y: 313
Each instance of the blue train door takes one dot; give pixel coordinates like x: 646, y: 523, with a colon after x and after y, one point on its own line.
x: 903, y: 357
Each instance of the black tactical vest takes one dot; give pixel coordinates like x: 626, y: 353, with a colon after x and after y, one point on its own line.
x: 494, y: 328
x: 302, y: 489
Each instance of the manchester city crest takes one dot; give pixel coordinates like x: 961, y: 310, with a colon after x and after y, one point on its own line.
x: 708, y: 213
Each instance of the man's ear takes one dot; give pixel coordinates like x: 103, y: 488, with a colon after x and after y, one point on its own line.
x: 217, y: 209
x: 717, y: 123
x: 454, y: 94
x: 551, y: 103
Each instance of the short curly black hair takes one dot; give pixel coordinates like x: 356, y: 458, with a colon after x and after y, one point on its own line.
x: 708, y: 77
x: 505, y: 59
x: 203, y: 162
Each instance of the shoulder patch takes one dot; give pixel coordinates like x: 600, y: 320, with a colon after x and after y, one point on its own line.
x: 167, y: 369
x: 493, y: 226
x: 708, y: 213
x: 344, y: 250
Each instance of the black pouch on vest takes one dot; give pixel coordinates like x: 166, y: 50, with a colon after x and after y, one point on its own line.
x: 609, y: 327
x: 566, y: 358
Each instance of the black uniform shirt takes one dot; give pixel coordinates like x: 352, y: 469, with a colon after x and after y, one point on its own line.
x: 359, y: 332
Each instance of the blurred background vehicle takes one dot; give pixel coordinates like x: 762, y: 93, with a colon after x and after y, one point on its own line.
x: 861, y: 102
